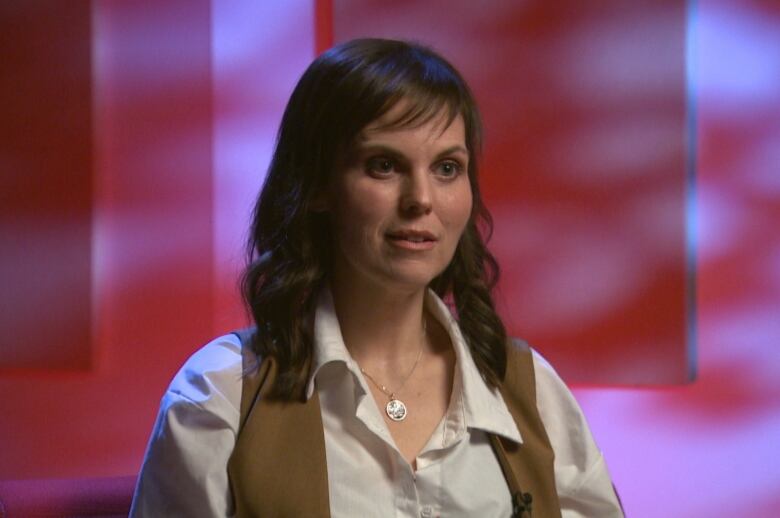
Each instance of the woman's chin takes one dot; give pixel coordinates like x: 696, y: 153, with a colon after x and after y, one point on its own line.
x: 396, y: 274
x: 412, y: 279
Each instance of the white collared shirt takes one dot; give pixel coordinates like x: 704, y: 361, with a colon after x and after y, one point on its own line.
x: 185, y: 469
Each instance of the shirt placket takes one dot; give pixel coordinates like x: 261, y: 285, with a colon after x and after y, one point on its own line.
x: 403, y: 477
x: 430, y: 463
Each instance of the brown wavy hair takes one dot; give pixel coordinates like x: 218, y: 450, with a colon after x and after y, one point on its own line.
x: 289, y: 245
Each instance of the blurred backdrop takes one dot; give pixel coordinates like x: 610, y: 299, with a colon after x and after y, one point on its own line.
x: 631, y: 162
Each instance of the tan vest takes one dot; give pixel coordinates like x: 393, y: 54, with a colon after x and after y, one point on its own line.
x: 278, y: 465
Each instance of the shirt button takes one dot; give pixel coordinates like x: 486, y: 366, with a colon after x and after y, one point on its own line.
x: 426, y: 512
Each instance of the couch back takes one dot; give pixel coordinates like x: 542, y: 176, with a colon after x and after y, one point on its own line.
x: 67, y: 498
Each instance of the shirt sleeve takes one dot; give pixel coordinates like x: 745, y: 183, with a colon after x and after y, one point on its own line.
x: 184, y: 472
x: 581, y: 477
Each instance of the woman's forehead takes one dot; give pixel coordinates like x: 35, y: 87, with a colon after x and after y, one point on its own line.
x: 422, y: 141
x: 414, y: 110
x: 401, y: 118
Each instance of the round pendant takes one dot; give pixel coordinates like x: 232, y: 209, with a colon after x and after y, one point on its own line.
x: 396, y: 410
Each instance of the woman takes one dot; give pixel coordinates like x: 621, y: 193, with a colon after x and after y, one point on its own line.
x: 361, y: 392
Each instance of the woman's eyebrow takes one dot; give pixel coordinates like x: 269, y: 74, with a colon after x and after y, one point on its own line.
x: 453, y: 150
x: 365, y: 149
x: 395, y: 153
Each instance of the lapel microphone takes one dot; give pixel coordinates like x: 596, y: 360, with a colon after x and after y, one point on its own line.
x: 521, y: 504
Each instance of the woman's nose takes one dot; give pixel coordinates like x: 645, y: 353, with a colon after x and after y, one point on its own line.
x: 417, y: 196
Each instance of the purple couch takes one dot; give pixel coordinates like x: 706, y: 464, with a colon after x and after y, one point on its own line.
x: 67, y: 498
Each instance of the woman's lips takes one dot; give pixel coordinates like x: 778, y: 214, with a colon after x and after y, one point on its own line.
x: 412, y: 239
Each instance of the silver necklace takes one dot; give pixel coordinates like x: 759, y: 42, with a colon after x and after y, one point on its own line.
x: 395, y: 408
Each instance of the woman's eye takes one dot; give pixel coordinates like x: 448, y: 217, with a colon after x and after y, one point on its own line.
x: 380, y: 166
x: 449, y: 168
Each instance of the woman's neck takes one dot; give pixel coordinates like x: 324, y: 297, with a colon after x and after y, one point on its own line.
x: 382, y: 328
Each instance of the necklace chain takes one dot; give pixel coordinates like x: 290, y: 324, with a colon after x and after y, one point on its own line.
x: 391, y: 393
x: 396, y: 409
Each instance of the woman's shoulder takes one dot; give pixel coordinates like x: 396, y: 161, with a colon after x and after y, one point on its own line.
x: 558, y: 409
x: 581, y: 475
x: 528, y: 371
x: 548, y: 383
x: 184, y: 471
x: 211, y: 377
x: 553, y: 397
x: 578, y: 460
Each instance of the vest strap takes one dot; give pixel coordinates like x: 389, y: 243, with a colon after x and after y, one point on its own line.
x: 278, y: 465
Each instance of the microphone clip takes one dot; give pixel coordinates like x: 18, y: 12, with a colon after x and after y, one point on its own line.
x: 521, y: 504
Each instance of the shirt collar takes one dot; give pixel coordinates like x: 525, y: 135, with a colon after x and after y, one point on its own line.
x: 328, y: 342
x: 483, y: 407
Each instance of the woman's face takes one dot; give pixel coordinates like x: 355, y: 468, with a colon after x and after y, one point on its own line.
x: 400, y: 203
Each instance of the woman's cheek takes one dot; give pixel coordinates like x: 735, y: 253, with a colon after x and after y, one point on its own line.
x: 459, y: 205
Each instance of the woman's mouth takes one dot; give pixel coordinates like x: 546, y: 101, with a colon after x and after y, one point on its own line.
x: 412, y: 239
